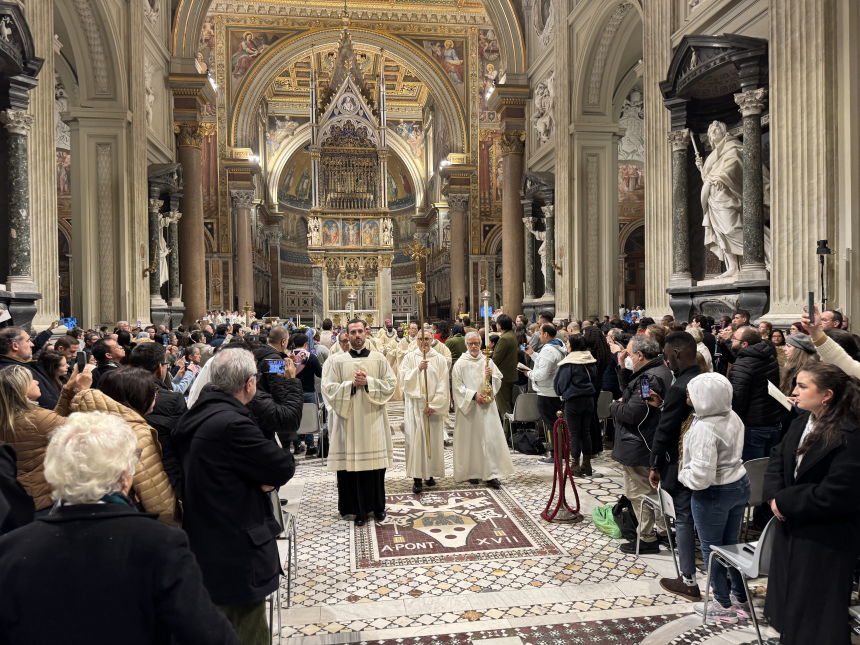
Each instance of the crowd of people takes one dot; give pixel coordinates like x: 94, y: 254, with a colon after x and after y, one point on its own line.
x: 111, y: 441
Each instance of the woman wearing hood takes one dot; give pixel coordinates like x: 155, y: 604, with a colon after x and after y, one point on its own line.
x: 711, y: 466
x: 575, y: 384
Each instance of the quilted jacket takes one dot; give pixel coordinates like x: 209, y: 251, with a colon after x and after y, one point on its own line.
x: 151, y: 484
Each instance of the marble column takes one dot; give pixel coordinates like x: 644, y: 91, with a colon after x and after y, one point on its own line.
x: 528, y: 226
x: 20, y: 278
x: 751, y: 104
x: 681, y: 276
x: 43, y: 166
x: 192, y: 242
x: 242, y: 200
x: 513, y: 240
x: 383, y: 296
x: 273, y: 240
x: 173, y: 259
x: 458, y: 205
x: 155, y: 298
x: 549, y: 256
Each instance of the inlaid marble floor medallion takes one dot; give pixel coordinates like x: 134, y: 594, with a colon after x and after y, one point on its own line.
x: 459, y: 525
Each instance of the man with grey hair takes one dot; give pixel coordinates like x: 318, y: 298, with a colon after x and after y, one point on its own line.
x: 635, y: 425
x: 96, y: 544
x: 229, y: 467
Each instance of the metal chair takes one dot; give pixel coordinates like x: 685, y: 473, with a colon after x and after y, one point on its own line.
x: 663, y: 502
x: 525, y: 411
x: 751, y: 560
x: 603, y: 403
x: 274, y: 598
x: 756, y: 469
x: 310, y: 420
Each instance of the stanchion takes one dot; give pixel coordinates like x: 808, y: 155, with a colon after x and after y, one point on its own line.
x: 561, y: 474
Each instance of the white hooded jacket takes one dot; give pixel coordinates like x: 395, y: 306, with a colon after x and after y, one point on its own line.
x: 546, y: 363
x: 715, y: 441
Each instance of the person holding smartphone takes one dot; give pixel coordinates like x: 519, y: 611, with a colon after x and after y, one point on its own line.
x: 635, y: 425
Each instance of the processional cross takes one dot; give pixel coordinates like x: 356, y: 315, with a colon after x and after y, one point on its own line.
x: 417, y: 251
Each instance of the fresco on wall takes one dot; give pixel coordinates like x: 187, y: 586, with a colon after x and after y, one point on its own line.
x: 331, y: 233
x: 450, y: 54
x: 412, y: 132
x: 206, y: 57
x: 349, y: 233
x: 631, y: 192
x: 247, y: 47
x: 295, y: 187
x: 489, y: 65
x: 490, y: 173
x: 400, y: 192
x: 64, y: 173
x: 280, y: 129
x: 370, y: 233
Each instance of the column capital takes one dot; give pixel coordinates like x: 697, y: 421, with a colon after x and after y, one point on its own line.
x: 458, y: 202
x: 208, y: 129
x: 317, y: 260
x: 679, y: 139
x: 189, y: 134
x: 174, y: 216
x: 513, y: 142
x: 155, y: 205
x: 548, y: 211
x: 17, y: 121
x: 242, y: 198
x: 273, y: 238
x: 751, y: 102
x: 385, y: 260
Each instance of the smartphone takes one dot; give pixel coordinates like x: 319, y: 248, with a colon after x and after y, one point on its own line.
x: 722, y: 324
x: 522, y: 348
x: 276, y: 365
x: 810, y: 306
x: 646, y: 387
x: 81, y: 360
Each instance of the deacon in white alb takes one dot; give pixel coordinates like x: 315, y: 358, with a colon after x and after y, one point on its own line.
x: 417, y: 409
x: 480, y: 448
x: 356, y: 386
x: 403, y: 348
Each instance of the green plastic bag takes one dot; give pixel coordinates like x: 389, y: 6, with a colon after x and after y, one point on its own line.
x: 602, y: 518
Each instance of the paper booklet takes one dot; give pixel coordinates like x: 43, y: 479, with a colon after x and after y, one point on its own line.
x: 520, y: 366
x: 776, y: 393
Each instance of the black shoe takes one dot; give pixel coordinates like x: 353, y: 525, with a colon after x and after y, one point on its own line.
x: 359, y: 522
x: 380, y: 516
x: 284, y: 502
x: 299, y: 449
x: 644, y: 547
x: 474, y: 482
x: 431, y: 482
x: 494, y: 483
x: 418, y: 487
x: 312, y: 451
x: 448, y: 443
x: 664, y: 540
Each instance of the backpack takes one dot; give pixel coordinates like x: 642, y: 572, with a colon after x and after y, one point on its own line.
x: 603, y: 520
x: 528, y: 443
x: 625, y: 518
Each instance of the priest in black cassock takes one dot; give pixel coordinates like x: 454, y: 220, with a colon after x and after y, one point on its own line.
x: 356, y: 386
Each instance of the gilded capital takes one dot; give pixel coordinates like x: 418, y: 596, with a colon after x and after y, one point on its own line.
x: 751, y: 102
x: 513, y: 142
x: 679, y: 139
x: 16, y: 121
x: 317, y: 260
x: 242, y: 198
x: 190, y: 134
x: 208, y: 129
x: 385, y: 260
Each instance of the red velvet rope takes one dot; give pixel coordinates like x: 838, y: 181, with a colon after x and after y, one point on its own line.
x: 561, y: 472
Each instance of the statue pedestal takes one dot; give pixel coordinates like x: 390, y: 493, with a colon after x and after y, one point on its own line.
x: 21, y: 306
x: 532, y: 307
x: 719, y: 298
x: 168, y: 315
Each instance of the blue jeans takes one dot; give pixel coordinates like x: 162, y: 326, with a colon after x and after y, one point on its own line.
x: 759, y: 440
x: 685, y: 537
x: 309, y: 397
x: 718, y: 512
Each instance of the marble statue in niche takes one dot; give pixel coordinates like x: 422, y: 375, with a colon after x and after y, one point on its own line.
x: 632, y: 145
x: 314, y: 234
x: 722, y: 199
x: 150, y: 93
x: 163, y: 250
x: 387, y: 232
x: 544, y: 106
x: 63, y: 139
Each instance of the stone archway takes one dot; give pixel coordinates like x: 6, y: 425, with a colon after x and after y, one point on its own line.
x: 632, y: 265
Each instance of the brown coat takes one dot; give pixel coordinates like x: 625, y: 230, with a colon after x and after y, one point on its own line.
x: 32, y: 434
x: 151, y: 484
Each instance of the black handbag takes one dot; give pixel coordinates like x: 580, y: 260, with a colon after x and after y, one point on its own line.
x: 625, y: 518
x: 528, y: 443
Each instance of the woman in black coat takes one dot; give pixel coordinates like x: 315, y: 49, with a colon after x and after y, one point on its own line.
x: 813, y: 487
x: 575, y: 384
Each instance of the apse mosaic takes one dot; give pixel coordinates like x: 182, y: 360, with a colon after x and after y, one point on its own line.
x: 450, y: 526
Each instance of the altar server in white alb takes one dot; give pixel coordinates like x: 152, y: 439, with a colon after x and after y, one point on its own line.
x: 480, y: 449
x: 417, y: 409
x: 356, y: 386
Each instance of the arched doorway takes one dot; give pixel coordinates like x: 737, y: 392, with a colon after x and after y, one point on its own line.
x: 634, y: 269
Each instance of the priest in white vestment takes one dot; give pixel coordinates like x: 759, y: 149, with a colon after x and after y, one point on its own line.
x: 480, y: 448
x: 402, y: 350
x: 356, y: 386
x: 418, y: 408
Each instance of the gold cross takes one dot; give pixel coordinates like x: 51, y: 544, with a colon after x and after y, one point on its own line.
x: 352, y: 282
x: 416, y: 251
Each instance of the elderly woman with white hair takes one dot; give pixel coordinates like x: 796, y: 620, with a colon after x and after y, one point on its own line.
x: 116, y: 571
x: 699, y: 336
x: 228, y: 468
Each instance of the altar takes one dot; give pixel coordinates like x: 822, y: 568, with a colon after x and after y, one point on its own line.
x: 350, y: 231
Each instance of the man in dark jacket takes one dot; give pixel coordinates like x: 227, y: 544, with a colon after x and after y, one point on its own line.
x: 635, y: 425
x: 168, y: 409
x: 755, y: 366
x: 16, y: 506
x: 108, y: 353
x: 280, y: 413
x: 505, y: 358
x: 220, y: 336
x: 229, y: 467
x: 16, y: 348
x: 676, y: 416
x: 275, y: 349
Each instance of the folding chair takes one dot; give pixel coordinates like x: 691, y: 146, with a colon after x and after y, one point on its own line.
x: 756, y: 469
x: 274, y: 598
x: 310, y: 420
x: 525, y: 411
x: 603, y: 403
x: 751, y: 560
x: 663, y: 502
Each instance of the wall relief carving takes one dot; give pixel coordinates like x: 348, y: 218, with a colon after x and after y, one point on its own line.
x: 544, y: 105
x: 632, y: 145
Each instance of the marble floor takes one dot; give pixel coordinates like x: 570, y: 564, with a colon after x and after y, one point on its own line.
x: 466, y: 563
